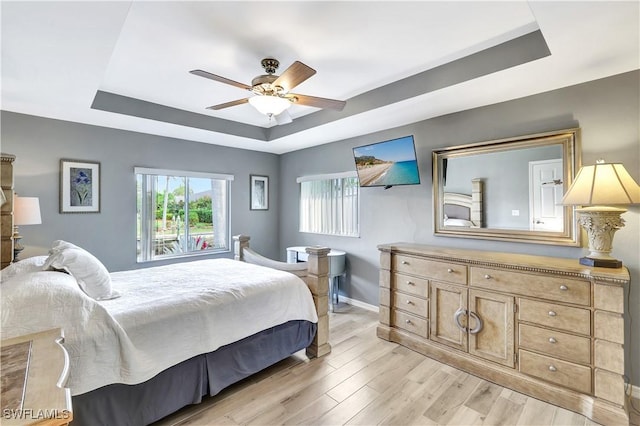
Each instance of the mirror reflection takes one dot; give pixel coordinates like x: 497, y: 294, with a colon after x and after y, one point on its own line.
x: 509, y: 189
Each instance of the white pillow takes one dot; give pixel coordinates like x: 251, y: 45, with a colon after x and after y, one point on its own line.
x: 30, y: 264
x: 92, y: 276
x: 61, y: 245
x: 458, y: 222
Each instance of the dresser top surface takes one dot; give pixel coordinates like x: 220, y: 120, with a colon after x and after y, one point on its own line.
x: 491, y: 258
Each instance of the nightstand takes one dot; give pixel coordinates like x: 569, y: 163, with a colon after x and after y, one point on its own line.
x: 34, y: 371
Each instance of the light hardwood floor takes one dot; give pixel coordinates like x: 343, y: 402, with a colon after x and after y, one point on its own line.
x: 369, y: 381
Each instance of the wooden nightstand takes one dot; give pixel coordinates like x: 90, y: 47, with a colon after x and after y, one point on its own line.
x: 34, y: 371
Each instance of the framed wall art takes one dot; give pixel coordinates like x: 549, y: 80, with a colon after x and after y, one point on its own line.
x: 79, y: 186
x: 259, y: 192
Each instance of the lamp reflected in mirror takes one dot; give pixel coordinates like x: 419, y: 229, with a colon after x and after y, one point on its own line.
x: 599, y: 188
x: 26, y: 211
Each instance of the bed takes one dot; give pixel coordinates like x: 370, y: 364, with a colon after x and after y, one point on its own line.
x: 145, y: 343
x: 463, y: 210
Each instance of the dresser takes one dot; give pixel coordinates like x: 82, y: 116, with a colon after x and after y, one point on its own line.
x: 6, y: 209
x: 34, y: 370
x: 547, y: 327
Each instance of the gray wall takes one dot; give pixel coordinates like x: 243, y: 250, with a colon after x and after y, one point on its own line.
x: 40, y: 143
x: 607, y: 111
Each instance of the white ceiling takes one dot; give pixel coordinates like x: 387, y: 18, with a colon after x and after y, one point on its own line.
x: 57, y: 55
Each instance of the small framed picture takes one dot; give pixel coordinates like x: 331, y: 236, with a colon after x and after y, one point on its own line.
x: 79, y: 186
x: 259, y: 190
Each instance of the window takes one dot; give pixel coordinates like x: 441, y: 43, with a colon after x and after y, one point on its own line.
x: 329, y: 204
x: 181, y: 213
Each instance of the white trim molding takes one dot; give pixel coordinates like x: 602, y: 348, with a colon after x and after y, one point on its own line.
x: 359, y: 304
x: 327, y: 176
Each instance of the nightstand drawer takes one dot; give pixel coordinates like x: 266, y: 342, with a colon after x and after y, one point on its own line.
x: 410, y: 323
x: 442, y: 271
x: 563, y: 373
x: 555, y: 343
x: 411, y: 304
x: 411, y: 285
x: 544, y: 287
x: 567, y: 318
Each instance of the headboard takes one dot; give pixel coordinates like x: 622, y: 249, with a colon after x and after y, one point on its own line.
x: 462, y: 209
x: 6, y: 210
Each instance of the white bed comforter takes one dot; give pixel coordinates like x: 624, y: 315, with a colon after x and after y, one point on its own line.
x: 165, y: 315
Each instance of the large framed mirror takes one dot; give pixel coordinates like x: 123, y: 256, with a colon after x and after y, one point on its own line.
x: 508, y: 189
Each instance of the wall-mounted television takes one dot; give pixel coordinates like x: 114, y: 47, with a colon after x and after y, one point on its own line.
x: 387, y: 163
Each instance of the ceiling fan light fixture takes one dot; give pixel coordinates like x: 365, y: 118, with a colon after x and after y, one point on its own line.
x: 269, y: 105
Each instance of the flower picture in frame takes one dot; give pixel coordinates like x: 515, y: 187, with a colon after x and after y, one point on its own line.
x: 79, y: 186
x: 259, y: 192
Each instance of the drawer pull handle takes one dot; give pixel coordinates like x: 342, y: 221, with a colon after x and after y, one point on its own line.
x: 407, y: 321
x: 404, y: 262
x: 479, y: 323
x: 456, y: 318
x: 564, y: 287
x: 449, y: 270
x: 409, y: 302
x: 552, y: 340
x: 552, y: 314
x: 410, y: 283
x: 552, y: 368
x: 487, y: 277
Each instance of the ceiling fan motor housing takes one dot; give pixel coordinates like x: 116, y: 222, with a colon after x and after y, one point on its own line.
x: 262, y: 85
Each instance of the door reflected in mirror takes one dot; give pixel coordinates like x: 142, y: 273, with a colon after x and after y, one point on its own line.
x: 509, y: 189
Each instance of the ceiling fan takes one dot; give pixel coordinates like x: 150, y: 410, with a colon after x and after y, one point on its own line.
x: 271, y: 92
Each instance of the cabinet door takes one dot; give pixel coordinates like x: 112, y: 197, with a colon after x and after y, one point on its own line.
x: 495, y: 339
x: 446, y: 300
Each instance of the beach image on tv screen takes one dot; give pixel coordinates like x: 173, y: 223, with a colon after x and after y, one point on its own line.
x: 387, y: 163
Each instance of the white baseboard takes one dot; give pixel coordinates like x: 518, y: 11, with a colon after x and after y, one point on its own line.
x: 359, y: 304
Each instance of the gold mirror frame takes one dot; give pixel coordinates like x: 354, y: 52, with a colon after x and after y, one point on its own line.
x: 568, y: 140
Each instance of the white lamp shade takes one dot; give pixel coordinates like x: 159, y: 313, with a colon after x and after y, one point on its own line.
x: 602, y: 184
x: 26, y: 211
x: 269, y: 105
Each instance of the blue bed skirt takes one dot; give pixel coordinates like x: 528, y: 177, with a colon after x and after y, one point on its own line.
x: 188, y: 382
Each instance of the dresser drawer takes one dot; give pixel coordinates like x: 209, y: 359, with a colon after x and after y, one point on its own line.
x: 555, y: 343
x: 411, y: 285
x: 563, y: 373
x: 442, y: 271
x: 411, y: 304
x: 567, y: 318
x: 411, y: 323
x: 543, y: 287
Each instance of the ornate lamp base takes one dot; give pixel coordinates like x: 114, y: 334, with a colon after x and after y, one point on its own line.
x: 17, y: 246
x: 600, y: 223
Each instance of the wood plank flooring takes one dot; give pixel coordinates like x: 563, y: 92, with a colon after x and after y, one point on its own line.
x: 368, y: 381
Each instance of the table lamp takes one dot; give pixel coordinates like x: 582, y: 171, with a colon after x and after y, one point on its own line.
x: 26, y: 211
x: 601, y: 187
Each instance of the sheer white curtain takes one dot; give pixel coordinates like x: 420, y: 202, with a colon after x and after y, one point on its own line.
x: 329, y: 204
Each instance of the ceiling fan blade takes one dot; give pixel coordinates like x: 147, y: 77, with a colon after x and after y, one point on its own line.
x: 313, y: 101
x: 294, y: 75
x: 220, y: 79
x: 284, y: 118
x: 229, y: 104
